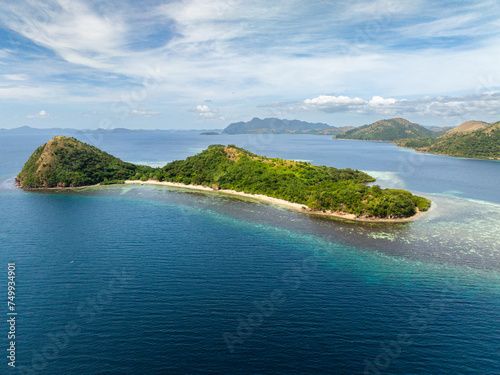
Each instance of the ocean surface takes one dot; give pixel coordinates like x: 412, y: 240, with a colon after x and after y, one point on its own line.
x: 155, y: 280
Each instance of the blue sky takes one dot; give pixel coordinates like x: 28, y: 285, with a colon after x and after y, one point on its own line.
x: 204, y: 64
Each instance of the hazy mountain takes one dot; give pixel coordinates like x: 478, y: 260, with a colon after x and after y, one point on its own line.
x: 278, y: 126
x: 65, y: 131
x: 438, y: 129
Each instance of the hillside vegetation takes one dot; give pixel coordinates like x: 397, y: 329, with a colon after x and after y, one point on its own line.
x: 279, y: 126
x: 388, y: 130
x: 483, y: 143
x: 67, y: 162
x: 318, y: 187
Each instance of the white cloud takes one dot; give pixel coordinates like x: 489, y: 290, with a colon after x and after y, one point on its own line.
x: 41, y: 114
x: 201, y: 20
x: 466, y: 106
x: 248, y: 52
x: 372, y: 8
x: 328, y: 103
x: 26, y: 93
x: 69, y: 28
x: 205, y: 112
x: 379, y: 101
x: 86, y: 114
x: 445, y: 27
x: 15, y: 77
x: 331, y: 103
x: 143, y: 112
x: 4, y: 53
x: 471, y: 19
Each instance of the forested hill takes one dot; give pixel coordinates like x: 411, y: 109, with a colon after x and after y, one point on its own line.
x: 318, y: 187
x: 387, y: 130
x: 483, y: 143
x: 67, y: 162
x: 278, y: 126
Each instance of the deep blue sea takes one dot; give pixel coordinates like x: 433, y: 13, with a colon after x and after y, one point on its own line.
x: 156, y: 280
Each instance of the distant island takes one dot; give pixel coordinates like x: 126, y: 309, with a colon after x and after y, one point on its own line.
x: 27, y: 130
x: 279, y: 126
x: 209, y: 133
x: 388, y: 130
x: 472, y: 139
x: 66, y: 162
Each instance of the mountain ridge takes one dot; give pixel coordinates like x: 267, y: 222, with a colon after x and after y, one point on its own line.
x: 274, y: 125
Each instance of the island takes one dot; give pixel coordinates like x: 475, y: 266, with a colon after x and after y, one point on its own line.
x: 472, y: 139
x: 65, y: 162
x: 209, y: 133
x: 281, y: 126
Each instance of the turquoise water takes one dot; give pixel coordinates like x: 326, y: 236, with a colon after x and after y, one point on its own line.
x: 147, y: 279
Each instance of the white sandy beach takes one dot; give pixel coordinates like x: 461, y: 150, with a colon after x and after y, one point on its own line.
x: 280, y: 202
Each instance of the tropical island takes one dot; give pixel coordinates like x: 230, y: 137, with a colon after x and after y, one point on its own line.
x: 65, y: 162
x: 281, y: 126
x: 472, y: 139
x: 209, y: 133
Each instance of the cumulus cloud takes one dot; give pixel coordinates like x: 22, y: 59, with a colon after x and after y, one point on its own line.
x: 331, y: 103
x: 41, y: 114
x: 487, y: 103
x: 205, y: 112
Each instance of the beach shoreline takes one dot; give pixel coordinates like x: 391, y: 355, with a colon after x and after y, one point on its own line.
x: 297, y: 207
x: 302, y: 208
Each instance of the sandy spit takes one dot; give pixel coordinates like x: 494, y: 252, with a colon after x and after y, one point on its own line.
x: 280, y: 202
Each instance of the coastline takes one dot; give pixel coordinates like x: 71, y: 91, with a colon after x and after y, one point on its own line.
x: 276, y: 201
x: 414, y: 149
x: 361, y: 140
x: 297, y: 207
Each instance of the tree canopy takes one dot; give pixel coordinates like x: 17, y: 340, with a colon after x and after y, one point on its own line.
x: 66, y: 162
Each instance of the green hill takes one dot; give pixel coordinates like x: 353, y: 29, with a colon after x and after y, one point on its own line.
x: 387, y: 130
x: 483, y: 143
x: 278, y: 126
x: 319, y: 187
x: 66, y: 162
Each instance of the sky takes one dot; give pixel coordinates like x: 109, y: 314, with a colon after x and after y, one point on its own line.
x: 202, y: 64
